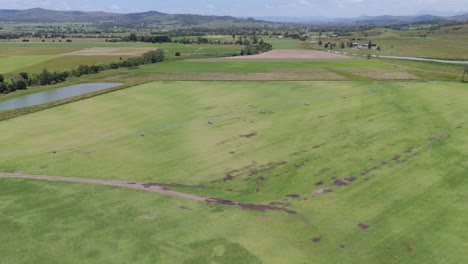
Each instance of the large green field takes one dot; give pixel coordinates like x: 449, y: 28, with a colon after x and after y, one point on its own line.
x: 444, y: 43
x: 34, y: 57
x: 393, y: 153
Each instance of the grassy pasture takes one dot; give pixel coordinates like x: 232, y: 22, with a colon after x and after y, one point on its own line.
x: 13, y: 63
x: 441, y: 44
x: 414, y: 204
x: 70, y: 62
x: 16, y: 57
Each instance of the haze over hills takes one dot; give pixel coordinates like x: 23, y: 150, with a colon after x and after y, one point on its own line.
x: 368, y: 20
x: 39, y: 15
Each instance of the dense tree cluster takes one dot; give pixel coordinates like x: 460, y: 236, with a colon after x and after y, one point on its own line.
x: 256, y: 48
x: 152, y: 39
x: 46, y: 77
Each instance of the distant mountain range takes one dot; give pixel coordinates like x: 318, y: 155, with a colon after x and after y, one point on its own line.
x: 369, y: 20
x: 39, y: 15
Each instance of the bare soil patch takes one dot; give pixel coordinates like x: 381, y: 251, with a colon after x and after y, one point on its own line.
x: 339, y: 183
x: 322, y: 191
x: 109, y: 52
x: 363, y: 226
x: 249, y: 206
x: 316, y: 240
x: 290, y: 54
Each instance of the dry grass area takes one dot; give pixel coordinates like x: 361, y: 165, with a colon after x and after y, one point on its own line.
x: 109, y: 52
x: 291, y: 54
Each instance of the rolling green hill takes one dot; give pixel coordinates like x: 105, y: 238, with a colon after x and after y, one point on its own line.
x: 39, y: 15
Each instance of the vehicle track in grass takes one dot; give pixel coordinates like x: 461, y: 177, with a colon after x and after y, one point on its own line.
x: 159, y: 188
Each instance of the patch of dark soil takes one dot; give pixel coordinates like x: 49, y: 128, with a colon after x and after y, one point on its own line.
x: 261, y: 178
x: 132, y: 183
x: 339, y: 183
x: 185, y: 207
x: 396, y: 157
x: 351, y: 178
x: 363, y: 226
x: 320, y: 183
x: 177, y: 185
x: 364, y: 172
x: 409, y: 150
x: 316, y: 239
x: 383, y: 162
x: 280, y: 203
x: 322, y: 191
x: 228, y: 178
x: 342, y: 246
x: 232, y: 152
x: 249, y: 206
x: 257, y: 207
x: 268, y: 167
x: 253, y: 134
x: 294, y: 196
x: 44, y: 166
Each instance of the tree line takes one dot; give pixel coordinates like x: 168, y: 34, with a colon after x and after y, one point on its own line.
x: 23, y: 80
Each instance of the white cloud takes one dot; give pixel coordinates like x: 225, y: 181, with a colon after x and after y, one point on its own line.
x: 210, y: 6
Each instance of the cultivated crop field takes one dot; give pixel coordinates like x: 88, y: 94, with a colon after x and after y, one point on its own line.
x: 334, y: 172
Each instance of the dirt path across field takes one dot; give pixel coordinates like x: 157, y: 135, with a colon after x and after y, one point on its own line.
x: 150, y: 187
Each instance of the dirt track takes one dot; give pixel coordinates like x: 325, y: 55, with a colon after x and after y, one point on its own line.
x: 150, y: 187
x: 125, y: 184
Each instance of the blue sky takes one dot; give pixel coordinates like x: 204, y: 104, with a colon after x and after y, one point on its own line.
x: 257, y: 8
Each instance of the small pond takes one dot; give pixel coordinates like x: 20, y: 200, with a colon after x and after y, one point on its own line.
x: 54, y: 95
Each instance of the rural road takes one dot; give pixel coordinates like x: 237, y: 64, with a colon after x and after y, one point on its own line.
x: 403, y: 58
x: 150, y: 187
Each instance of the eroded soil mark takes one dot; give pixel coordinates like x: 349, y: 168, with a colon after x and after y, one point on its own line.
x: 363, y: 226
x: 316, y: 239
x: 151, y: 187
x: 249, y: 206
x: 176, y: 185
x: 253, y: 134
x: 322, y: 191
